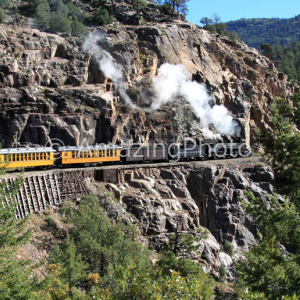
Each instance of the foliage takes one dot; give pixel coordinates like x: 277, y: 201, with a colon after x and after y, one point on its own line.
x: 14, y: 274
x: 133, y: 93
x: 268, y: 51
x: 288, y: 60
x: 42, y: 14
x: 2, y: 15
x: 139, y: 6
x: 273, y: 31
x: 75, y: 12
x: 177, y: 6
x: 72, y: 266
x: 282, y: 146
x: 4, y: 3
x: 102, y: 244
x: 59, y: 23
x: 272, y: 268
x: 222, y: 272
x: 228, y: 248
x: 173, y: 255
x: 214, y: 26
x: 55, y: 16
x: 102, y: 17
x: 77, y: 27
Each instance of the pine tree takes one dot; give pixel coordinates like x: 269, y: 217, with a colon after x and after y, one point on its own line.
x: 139, y: 6
x: 2, y: 15
x: 72, y: 266
x: 42, y: 15
x: 77, y: 27
x: 14, y: 274
x: 272, y: 268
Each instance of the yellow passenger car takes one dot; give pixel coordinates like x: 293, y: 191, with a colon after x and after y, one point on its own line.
x: 26, y: 157
x: 89, y: 154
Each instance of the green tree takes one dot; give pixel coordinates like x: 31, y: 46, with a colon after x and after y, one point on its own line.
x: 214, y: 25
x: 268, y: 51
x: 179, y: 6
x: 272, y: 268
x: 4, y: 3
x: 14, y: 273
x: 60, y: 23
x: 102, y: 17
x: 75, y: 12
x: 206, y: 21
x: 222, y: 272
x: 72, y: 265
x: 42, y: 15
x: 102, y: 244
x: 78, y: 28
x: 139, y: 6
x: 2, y: 15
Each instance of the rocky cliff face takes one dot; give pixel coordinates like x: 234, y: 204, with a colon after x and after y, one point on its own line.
x: 51, y: 89
x: 165, y: 200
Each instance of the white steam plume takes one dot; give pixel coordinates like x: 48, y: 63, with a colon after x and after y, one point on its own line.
x: 92, y: 45
x: 172, y: 81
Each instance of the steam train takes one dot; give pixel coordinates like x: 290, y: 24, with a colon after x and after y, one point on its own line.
x: 100, y: 154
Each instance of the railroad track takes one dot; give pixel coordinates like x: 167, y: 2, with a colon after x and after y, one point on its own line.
x: 45, y: 188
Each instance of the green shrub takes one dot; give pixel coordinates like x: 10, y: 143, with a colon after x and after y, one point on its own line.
x: 2, y: 15
x: 222, y: 272
x: 228, y: 248
x: 50, y: 222
x: 59, y: 23
x: 62, y: 9
x: 4, y: 3
x: 133, y: 93
x: 42, y: 15
x: 75, y: 12
x: 102, y: 17
x: 78, y: 28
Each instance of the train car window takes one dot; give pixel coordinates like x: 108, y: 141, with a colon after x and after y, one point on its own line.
x: 73, y: 154
x: 66, y: 154
x: 14, y: 157
x: 25, y: 156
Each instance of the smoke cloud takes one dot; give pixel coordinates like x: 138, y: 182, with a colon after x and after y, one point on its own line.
x: 171, y: 82
x: 112, y: 70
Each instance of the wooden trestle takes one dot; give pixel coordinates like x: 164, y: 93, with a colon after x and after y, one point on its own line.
x: 40, y: 192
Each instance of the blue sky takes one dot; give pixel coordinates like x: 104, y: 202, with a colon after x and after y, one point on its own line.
x: 230, y: 10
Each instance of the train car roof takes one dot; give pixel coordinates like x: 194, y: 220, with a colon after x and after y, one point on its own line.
x: 26, y: 150
x: 88, y: 148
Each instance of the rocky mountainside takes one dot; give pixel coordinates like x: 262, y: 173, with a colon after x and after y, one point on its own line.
x: 165, y: 200
x: 51, y: 88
